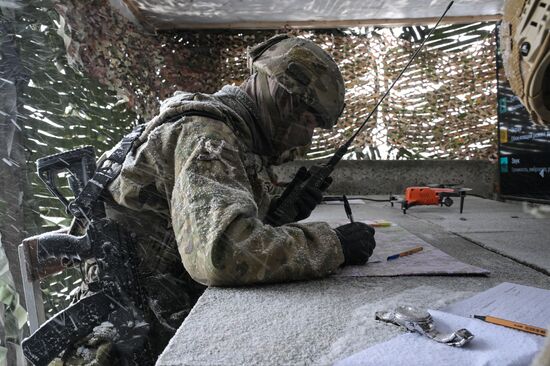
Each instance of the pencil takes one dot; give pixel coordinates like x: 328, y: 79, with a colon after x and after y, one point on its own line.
x: 512, y: 324
x: 407, y: 252
x: 381, y: 224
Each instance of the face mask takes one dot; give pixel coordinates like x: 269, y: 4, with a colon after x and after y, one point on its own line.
x: 284, y: 118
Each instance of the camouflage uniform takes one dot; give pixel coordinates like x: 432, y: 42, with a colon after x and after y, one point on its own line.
x: 200, y: 172
x: 193, y: 181
x: 196, y: 187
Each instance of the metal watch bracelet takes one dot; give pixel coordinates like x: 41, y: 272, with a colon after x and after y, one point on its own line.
x: 420, y: 321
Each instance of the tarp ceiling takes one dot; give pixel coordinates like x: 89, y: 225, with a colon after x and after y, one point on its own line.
x: 262, y: 14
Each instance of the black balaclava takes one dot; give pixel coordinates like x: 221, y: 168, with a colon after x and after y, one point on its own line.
x: 279, y: 113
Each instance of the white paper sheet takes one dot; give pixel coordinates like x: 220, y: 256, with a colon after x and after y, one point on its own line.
x: 394, y: 239
x: 524, y: 304
x: 492, y: 345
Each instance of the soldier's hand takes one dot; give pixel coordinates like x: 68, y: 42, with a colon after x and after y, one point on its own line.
x: 308, y: 198
x: 357, y: 240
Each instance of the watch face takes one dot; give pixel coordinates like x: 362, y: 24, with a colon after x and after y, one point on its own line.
x: 412, y: 314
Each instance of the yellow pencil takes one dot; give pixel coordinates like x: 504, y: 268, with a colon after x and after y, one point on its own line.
x: 402, y: 254
x: 512, y: 324
x: 380, y: 224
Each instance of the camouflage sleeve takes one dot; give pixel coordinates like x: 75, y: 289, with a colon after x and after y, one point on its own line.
x: 215, y: 218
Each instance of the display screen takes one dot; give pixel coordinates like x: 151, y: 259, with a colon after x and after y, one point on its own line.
x: 524, y: 147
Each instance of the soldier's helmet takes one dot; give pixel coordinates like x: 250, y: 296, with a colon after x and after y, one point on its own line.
x: 304, y: 70
x: 525, y: 42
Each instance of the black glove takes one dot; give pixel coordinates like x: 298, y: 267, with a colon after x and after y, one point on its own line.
x: 308, y: 198
x: 357, y: 240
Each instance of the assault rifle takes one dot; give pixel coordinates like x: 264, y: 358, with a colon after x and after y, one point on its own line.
x: 317, y: 174
x: 114, y: 295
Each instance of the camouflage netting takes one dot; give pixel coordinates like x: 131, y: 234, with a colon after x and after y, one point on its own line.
x: 444, y: 106
x: 58, y: 109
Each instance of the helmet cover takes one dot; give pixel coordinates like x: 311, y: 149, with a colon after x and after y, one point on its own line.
x: 525, y: 43
x: 305, y: 71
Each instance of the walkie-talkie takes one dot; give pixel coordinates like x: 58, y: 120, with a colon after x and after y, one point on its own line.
x: 317, y: 174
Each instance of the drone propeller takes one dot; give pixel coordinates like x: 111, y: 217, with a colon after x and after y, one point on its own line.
x: 442, y: 185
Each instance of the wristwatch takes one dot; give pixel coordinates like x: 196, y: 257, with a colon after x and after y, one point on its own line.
x: 420, y: 321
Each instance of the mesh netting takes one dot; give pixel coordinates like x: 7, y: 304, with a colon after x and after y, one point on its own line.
x: 443, y: 107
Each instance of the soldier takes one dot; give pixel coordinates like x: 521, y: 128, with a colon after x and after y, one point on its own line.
x: 196, y: 189
x: 525, y: 39
x: 525, y: 43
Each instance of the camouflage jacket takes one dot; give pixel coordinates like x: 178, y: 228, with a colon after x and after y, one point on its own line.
x: 198, y: 170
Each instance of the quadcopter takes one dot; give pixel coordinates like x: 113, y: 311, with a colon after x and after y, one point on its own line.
x: 433, y: 194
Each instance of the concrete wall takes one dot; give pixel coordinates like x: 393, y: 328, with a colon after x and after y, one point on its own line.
x: 392, y: 176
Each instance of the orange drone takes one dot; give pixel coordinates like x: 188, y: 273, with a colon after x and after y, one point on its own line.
x: 438, y: 194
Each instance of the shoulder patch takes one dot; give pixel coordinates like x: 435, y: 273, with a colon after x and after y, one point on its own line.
x: 217, y: 150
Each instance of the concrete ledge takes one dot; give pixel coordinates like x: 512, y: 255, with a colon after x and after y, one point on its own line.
x: 321, y: 322
x: 393, y: 176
